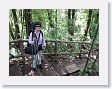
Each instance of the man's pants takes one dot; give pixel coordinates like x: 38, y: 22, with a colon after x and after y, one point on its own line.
x: 37, y: 59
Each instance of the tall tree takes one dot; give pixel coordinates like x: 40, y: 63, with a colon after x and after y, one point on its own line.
x: 86, y: 31
x: 11, y: 32
x: 28, y: 17
x: 88, y: 24
x: 71, y: 22
x: 50, y: 18
x: 17, y: 32
x: 96, y: 32
x: 93, y: 25
x: 22, y: 23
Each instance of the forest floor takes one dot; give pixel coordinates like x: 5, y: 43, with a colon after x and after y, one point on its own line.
x: 61, y: 66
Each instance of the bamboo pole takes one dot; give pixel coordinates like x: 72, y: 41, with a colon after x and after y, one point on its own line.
x: 90, y: 51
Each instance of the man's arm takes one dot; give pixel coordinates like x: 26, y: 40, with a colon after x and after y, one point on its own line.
x: 30, y: 39
x: 44, y: 43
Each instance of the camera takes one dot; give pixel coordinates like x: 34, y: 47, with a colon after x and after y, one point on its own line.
x: 31, y: 25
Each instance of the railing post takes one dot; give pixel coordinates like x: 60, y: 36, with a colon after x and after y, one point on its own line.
x: 80, y: 48
x: 56, y: 49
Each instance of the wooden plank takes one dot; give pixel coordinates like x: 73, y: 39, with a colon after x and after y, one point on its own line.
x: 59, y: 68
x: 72, y: 68
x: 48, y: 70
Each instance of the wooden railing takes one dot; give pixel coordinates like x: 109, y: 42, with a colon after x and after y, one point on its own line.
x: 19, y: 42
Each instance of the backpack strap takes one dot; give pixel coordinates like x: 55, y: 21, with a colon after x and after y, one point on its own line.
x: 42, y: 36
x: 41, y: 33
x: 34, y: 35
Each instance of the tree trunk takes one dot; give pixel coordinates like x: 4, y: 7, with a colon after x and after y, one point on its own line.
x: 22, y: 23
x: 69, y: 13
x: 11, y: 32
x: 73, y: 14
x: 17, y: 36
x: 56, y: 24
x: 88, y: 24
x: 28, y: 17
x: 50, y: 18
x: 86, y: 30
x: 71, y: 22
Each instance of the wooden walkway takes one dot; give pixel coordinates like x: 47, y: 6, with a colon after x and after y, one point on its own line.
x: 56, y: 66
x: 59, y: 67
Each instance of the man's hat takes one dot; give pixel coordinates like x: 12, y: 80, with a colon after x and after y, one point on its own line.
x: 37, y: 24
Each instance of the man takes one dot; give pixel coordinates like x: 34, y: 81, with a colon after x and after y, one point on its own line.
x: 38, y: 34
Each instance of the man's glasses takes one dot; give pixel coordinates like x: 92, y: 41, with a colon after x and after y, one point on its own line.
x: 38, y: 26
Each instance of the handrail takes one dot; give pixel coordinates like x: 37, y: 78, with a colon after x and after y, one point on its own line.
x: 59, y: 41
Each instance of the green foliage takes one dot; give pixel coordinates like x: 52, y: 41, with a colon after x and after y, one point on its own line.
x: 92, y: 69
x: 60, y: 30
x: 93, y: 25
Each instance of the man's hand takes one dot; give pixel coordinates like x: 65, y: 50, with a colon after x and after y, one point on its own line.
x: 44, y: 47
x: 32, y: 42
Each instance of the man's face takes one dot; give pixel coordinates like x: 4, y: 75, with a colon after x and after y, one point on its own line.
x: 37, y: 28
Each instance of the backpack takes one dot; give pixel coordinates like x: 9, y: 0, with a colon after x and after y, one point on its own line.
x: 30, y: 49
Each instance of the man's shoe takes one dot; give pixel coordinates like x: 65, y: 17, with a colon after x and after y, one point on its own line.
x: 34, y: 69
x: 31, y: 73
x: 40, y: 66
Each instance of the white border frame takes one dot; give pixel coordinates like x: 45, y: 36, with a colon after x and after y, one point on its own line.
x: 102, y: 79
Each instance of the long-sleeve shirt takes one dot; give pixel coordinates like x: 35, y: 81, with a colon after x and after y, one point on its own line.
x: 40, y: 39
